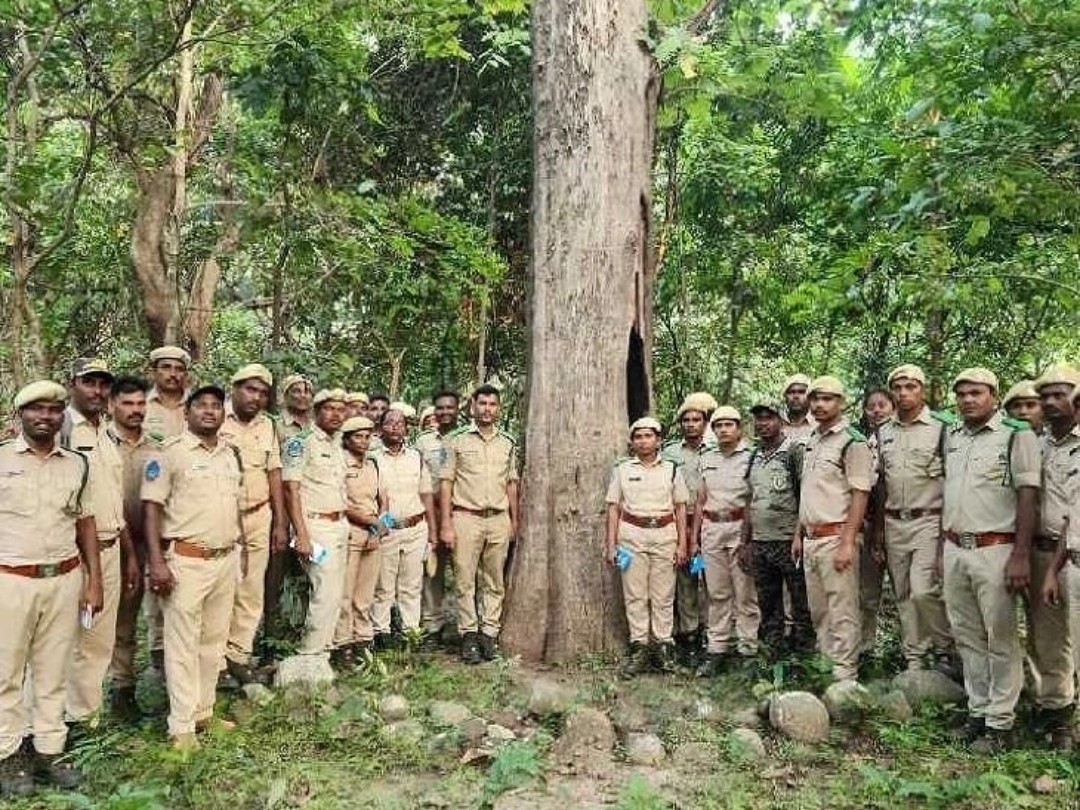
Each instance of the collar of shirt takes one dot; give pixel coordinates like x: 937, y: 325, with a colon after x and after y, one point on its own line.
x: 993, y: 423
x: 475, y: 428
x: 230, y: 414
x: 119, y: 438
x: 155, y: 396
x: 191, y: 441
x: 839, y: 425
x: 637, y: 460
x: 785, y: 444
x: 320, y: 434
x: 739, y: 448
x: 924, y: 416
x: 23, y: 446
x: 1072, y: 434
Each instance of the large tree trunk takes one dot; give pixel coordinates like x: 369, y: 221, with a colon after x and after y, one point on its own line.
x: 592, y: 86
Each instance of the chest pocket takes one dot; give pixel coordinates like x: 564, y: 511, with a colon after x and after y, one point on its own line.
x: 990, y: 464
x: 16, y: 494
x: 925, y: 461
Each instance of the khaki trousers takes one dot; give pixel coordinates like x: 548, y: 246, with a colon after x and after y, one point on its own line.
x: 1049, y: 639
x: 248, y: 601
x: 833, y: 597
x: 649, y: 583
x: 479, y: 557
x: 122, y: 667
x: 733, y: 605
x: 401, y: 577
x: 155, y: 619
x: 327, y: 585
x: 94, y: 647
x: 983, y: 618
x: 691, y: 598
x: 39, y: 631
x: 436, y: 603
x: 361, y: 576
x: 911, y: 553
x: 1072, y: 576
x: 196, y: 614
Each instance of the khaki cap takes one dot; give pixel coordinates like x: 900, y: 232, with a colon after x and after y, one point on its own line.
x: 725, y: 412
x: 170, y: 353
x: 90, y: 366
x: 1061, y: 374
x: 768, y: 405
x: 292, y: 380
x: 827, y: 384
x: 1025, y: 389
x: 253, y: 371
x: 796, y: 379
x: 977, y: 375
x: 646, y: 423
x: 428, y: 411
x: 357, y: 396
x: 404, y: 408
x: 328, y: 395
x: 356, y: 423
x: 908, y: 370
x: 40, y: 391
x: 697, y: 401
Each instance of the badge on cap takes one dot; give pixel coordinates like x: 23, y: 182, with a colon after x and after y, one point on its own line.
x: 152, y: 471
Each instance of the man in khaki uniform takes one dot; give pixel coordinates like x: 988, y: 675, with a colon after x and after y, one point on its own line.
x: 646, y: 517
x: 1049, y: 642
x: 1022, y: 402
x: 691, y: 601
x: 479, y: 503
x: 992, y: 479
x: 406, y: 480
x: 296, y: 410
x: 191, y: 505
x: 436, y: 609
x: 262, y: 507
x: 717, y: 531
x: 314, y: 476
x: 45, y: 535
x: 356, y: 404
x: 85, y: 431
x: 799, y: 423
x: 838, y: 473
x: 127, y: 406
x: 365, y: 500
x: 911, y: 447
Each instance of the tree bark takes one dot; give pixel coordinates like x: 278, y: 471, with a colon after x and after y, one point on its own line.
x: 592, y: 86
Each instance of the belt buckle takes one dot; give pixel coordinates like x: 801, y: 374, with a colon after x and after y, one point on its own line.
x: 904, y: 514
x: 653, y: 523
x: 48, y: 570
x: 968, y: 540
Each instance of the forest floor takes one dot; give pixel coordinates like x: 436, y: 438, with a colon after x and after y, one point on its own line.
x: 330, y: 747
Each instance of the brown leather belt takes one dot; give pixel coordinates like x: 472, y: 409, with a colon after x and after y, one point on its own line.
x: 484, y: 513
x: 648, y: 522
x: 254, y: 508
x: 825, y: 530
x: 325, y: 515
x: 183, y: 548
x: 43, y: 570
x: 910, y: 514
x: 409, y: 522
x: 979, y: 539
x: 723, y: 515
x: 1042, y: 542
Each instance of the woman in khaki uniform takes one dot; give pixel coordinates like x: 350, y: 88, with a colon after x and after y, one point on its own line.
x: 646, y: 516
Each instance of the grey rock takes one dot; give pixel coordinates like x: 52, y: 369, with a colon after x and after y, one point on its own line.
x: 546, y: 698
x: 747, y: 718
x: 745, y: 743
x: 644, y: 749
x: 303, y: 669
x: 847, y: 702
x: 472, y: 731
x: 499, y: 735
x: 928, y: 686
x: 709, y: 712
x: 628, y: 715
x: 393, y: 708
x: 410, y: 730
x: 895, y: 706
x: 586, y: 744
x: 695, y: 756
x: 257, y: 693
x: 800, y: 716
x: 447, y: 713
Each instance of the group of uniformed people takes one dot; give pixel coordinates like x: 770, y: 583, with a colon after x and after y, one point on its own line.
x: 974, y: 513
x: 112, y: 485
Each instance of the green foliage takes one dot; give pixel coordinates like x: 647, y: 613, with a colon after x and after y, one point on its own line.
x: 638, y: 794
x: 515, y: 766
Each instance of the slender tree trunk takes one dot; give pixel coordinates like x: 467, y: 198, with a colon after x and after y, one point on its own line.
x: 592, y: 82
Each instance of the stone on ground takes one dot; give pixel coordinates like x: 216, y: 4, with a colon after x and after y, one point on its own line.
x: 546, y: 698
x: 847, y: 701
x: 257, y: 693
x: 800, y: 716
x: 628, y: 715
x: 409, y: 730
x: 393, y: 708
x: 644, y: 749
x: 447, y: 713
x: 747, y: 744
x: 472, y: 731
x: 694, y: 756
x: 303, y: 669
x: 586, y: 744
x: 746, y: 718
x: 928, y: 686
x: 896, y: 706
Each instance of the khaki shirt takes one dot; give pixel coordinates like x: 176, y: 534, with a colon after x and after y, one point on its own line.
x: 689, y: 460
x: 361, y: 489
x: 802, y: 431
x: 288, y: 425
x: 40, y: 501
x: 828, y: 480
x: 163, y: 421
x: 260, y: 452
x: 199, y: 487
x: 404, y: 478
x: 650, y: 490
x: 913, y: 468
x: 105, y: 485
x: 317, y: 460
x: 134, y: 455
x: 432, y: 447
x: 1061, y: 468
x: 978, y: 495
x: 723, y: 477
x: 480, y: 468
x: 774, y: 499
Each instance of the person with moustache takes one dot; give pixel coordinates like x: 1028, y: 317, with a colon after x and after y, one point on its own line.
x: 85, y: 430
x: 1049, y: 642
x: 127, y: 407
x: 799, y: 423
x: 46, y: 536
x: 191, y: 505
x: 1022, y: 402
x: 992, y: 481
x: 878, y: 406
x: 296, y: 410
x: 262, y: 508
x: 838, y: 473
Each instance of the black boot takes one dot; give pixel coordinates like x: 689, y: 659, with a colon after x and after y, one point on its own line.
x: 124, y: 706
x: 665, y: 657
x: 1059, y: 723
x: 714, y: 664
x: 470, y: 648
x: 635, y: 661
x: 16, y: 778
x: 49, y: 769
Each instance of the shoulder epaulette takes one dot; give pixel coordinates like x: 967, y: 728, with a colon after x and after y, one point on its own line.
x: 675, y: 462
x: 945, y: 417
x: 622, y: 460
x: 168, y: 441
x: 508, y: 437
x: 856, y: 434
x: 458, y: 432
x: 1015, y: 424
x: 274, y: 417
x: 671, y: 443
x: 156, y: 436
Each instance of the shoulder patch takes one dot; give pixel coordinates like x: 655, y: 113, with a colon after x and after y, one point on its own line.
x: 294, y: 447
x: 155, y: 436
x: 945, y: 417
x: 855, y: 433
x: 152, y: 470
x: 168, y: 441
x: 1015, y: 424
